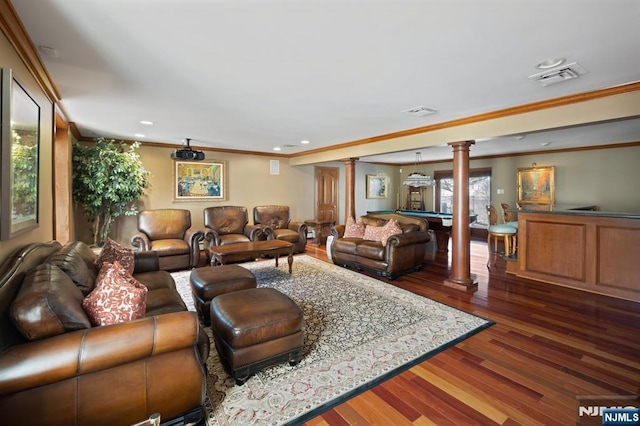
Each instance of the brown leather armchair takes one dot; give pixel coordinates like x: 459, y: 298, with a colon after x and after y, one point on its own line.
x: 168, y: 232
x: 228, y: 225
x: 276, y: 224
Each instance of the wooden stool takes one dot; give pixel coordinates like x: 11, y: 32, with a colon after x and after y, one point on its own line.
x: 509, y: 235
x: 209, y: 282
x: 254, y: 329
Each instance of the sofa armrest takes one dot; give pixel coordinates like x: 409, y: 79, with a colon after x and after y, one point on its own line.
x: 408, y: 238
x: 193, y: 237
x: 73, y: 354
x: 211, y: 237
x: 253, y: 232
x: 266, y: 232
x: 337, y: 231
x: 146, y: 261
x: 140, y: 240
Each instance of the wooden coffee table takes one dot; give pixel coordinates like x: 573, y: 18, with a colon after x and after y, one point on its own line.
x: 240, y: 251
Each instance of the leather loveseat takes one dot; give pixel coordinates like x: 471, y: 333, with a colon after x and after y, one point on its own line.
x: 56, y: 369
x: 402, y: 253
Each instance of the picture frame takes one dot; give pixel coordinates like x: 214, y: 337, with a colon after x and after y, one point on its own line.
x: 536, y: 185
x: 377, y: 186
x: 200, y: 180
x: 19, y: 158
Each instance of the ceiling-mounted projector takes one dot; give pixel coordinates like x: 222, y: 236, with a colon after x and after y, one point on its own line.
x: 187, y: 153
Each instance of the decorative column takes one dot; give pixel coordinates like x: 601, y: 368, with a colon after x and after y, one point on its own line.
x: 349, y: 188
x: 461, y: 277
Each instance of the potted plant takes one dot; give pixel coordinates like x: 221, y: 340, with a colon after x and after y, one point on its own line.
x: 107, y: 178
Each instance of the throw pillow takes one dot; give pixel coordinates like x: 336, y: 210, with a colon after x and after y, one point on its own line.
x: 48, y: 304
x: 390, y: 228
x: 373, y: 233
x: 112, y: 251
x: 382, y: 233
x: 118, y: 297
x: 354, y: 229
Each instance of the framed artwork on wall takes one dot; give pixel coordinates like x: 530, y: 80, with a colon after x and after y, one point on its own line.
x: 19, y: 158
x: 200, y: 180
x: 536, y: 185
x: 377, y: 186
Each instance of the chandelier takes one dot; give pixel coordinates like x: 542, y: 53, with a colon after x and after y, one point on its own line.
x: 416, y: 178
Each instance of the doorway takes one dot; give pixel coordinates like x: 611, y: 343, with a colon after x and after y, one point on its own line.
x: 326, y: 210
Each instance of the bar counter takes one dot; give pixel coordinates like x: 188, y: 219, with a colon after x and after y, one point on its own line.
x: 589, y: 250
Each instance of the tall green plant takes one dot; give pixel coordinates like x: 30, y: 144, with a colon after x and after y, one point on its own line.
x: 107, y: 178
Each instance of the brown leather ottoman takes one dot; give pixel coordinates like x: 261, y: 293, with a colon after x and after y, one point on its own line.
x: 254, y: 329
x: 209, y: 282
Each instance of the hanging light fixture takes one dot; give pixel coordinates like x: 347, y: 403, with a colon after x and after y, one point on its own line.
x: 416, y: 178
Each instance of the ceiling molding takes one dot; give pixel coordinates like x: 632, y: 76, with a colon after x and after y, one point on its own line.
x: 16, y: 34
x: 507, y: 112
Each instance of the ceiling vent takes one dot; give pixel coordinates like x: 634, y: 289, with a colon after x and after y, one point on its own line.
x: 420, y: 111
x: 560, y: 74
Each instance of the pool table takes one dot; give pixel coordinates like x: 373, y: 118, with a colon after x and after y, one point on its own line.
x: 439, y: 223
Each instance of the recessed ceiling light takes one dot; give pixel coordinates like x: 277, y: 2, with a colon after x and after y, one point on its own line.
x: 277, y: 148
x: 545, y: 143
x: 304, y: 142
x: 550, y: 63
x: 147, y: 122
x: 139, y: 135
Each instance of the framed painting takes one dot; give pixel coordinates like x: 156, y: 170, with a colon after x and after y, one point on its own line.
x: 200, y: 180
x: 377, y: 186
x: 19, y: 158
x: 536, y: 185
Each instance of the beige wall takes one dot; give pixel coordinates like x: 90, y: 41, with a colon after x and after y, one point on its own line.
x: 605, y: 177
x: 249, y: 183
x: 44, y: 232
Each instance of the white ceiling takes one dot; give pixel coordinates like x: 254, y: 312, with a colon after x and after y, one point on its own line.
x: 254, y: 75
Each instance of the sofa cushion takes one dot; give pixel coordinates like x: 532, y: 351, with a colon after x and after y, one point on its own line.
x: 354, y: 229
x: 113, y: 251
x: 48, y: 304
x: 118, y: 297
x: 76, y: 259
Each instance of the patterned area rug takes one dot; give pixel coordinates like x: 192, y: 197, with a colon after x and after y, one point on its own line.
x: 358, y: 330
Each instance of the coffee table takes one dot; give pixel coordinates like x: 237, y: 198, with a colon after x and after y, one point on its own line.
x: 240, y: 251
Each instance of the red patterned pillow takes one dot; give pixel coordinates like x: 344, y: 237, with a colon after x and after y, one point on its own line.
x: 373, y: 233
x: 382, y: 233
x: 118, y: 297
x: 354, y: 229
x: 390, y: 228
x: 112, y: 251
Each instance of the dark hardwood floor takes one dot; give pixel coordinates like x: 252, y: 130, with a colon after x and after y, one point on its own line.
x: 549, y: 346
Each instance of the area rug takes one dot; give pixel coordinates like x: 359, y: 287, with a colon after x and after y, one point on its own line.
x: 358, y: 331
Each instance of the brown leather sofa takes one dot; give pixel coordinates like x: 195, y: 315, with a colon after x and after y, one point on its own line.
x: 168, y: 232
x: 403, y: 253
x: 229, y: 225
x: 276, y: 224
x: 103, y: 375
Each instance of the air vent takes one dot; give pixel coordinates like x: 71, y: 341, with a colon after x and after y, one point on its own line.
x: 420, y: 110
x: 558, y: 75
x: 289, y: 146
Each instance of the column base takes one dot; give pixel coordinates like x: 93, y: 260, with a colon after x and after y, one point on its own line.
x: 467, y: 284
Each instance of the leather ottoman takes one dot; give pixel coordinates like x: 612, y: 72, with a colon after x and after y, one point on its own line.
x: 209, y: 282
x: 254, y: 329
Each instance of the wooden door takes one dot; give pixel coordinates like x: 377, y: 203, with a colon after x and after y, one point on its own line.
x: 327, y: 194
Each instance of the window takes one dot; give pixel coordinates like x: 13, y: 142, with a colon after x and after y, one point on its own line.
x: 479, y: 192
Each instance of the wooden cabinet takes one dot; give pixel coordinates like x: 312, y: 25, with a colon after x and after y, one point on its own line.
x: 595, y: 252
